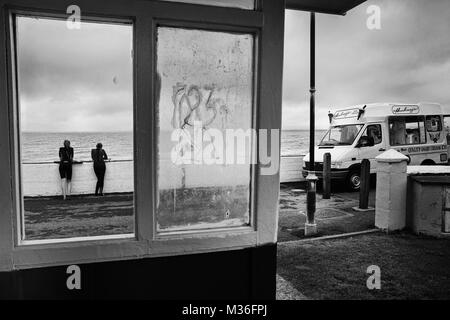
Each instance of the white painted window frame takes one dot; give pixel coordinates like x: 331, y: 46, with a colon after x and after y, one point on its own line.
x: 268, y: 26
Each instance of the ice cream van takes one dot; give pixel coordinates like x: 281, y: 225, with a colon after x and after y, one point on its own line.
x: 365, y: 131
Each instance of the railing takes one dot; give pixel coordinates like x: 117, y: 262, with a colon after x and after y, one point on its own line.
x: 75, y: 162
x: 42, y: 178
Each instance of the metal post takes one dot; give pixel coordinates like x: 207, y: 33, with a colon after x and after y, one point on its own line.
x: 310, y: 226
x: 326, y: 176
x: 312, y: 90
x: 365, y: 185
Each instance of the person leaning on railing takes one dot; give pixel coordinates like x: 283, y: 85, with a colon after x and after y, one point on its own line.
x: 98, y: 157
x: 65, y: 167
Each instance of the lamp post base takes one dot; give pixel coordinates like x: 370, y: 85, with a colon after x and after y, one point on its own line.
x: 310, y: 229
x: 311, y: 226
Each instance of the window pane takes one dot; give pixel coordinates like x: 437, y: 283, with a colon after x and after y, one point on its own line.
x: 75, y: 85
x: 242, y: 4
x: 373, y: 133
x: 408, y: 130
x: 205, y: 101
x: 434, y: 123
x: 341, y: 135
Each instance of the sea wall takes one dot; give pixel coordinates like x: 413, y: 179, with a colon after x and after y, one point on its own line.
x: 42, y: 179
x: 291, y: 168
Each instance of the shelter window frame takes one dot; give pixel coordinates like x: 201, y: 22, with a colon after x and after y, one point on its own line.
x: 240, y: 4
x: 268, y: 24
x: 15, y: 15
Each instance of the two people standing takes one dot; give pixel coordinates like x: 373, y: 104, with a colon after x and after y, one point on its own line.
x: 66, y: 154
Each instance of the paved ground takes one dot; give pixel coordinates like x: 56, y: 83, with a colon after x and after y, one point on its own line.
x: 333, y: 216
x: 79, y: 216
x: 51, y: 217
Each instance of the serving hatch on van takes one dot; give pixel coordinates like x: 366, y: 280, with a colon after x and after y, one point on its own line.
x: 419, y: 131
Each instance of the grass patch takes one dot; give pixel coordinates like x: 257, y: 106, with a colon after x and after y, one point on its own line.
x: 412, y: 267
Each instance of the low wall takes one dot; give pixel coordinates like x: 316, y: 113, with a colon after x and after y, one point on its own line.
x: 291, y: 168
x: 429, y: 195
x: 42, y: 179
x: 413, y: 197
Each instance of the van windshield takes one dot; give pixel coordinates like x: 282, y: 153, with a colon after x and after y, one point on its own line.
x: 341, y: 135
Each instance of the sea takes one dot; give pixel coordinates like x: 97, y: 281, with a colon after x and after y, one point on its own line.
x: 38, y: 147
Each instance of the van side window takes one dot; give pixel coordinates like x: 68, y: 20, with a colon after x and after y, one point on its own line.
x: 406, y: 130
x: 447, y: 128
x: 433, y: 123
x: 373, y: 132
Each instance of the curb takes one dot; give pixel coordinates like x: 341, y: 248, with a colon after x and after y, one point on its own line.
x: 337, y: 236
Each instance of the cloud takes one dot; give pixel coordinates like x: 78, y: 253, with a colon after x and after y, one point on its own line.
x: 74, y: 80
x: 82, y: 79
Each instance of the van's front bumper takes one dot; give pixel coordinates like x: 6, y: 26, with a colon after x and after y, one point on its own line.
x: 336, y: 174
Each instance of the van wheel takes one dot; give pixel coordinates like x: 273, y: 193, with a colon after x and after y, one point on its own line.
x: 354, y: 180
x: 428, y: 162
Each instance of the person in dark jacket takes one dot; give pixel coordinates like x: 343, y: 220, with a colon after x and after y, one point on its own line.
x: 65, y: 168
x: 99, y: 156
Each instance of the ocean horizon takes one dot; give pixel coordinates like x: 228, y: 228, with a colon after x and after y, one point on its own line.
x: 44, y: 146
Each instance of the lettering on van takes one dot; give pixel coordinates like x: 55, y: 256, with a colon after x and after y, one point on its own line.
x: 405, y: 109
x: 344, y: 114
x: 412, y: 150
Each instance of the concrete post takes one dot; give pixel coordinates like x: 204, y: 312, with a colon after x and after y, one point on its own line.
x: 390, y: 207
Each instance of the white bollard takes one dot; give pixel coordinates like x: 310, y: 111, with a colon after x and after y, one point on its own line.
x: 390, y: 205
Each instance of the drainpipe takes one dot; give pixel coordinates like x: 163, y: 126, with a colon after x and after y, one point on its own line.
x: 310, y: 225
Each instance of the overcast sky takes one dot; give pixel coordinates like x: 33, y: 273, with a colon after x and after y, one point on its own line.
x: 75, y: 80
x: 408, y: 60
x: 81, y: 80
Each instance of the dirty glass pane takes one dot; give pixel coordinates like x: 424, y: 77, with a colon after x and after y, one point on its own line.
x: 205, y: 85
x: 75, y: 85
x: 241, y: 4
